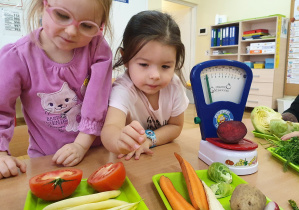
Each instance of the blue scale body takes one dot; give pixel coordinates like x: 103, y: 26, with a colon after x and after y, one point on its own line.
x: 206, y: 112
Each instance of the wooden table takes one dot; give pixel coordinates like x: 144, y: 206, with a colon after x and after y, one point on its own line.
x: 270, y: 179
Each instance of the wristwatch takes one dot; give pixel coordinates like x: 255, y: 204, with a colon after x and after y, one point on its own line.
x: 152, y: 136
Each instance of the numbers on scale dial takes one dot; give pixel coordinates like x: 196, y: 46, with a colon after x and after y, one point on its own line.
x: 223, y: 83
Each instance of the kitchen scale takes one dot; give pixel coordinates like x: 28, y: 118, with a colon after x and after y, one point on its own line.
x: 220, y: 89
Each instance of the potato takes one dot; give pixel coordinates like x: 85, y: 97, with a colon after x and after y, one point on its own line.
x: 246, y: 197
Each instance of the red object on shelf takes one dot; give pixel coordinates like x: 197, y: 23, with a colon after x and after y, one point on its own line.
x: 262, y: 31
x: 243, y: 144
x: 249, y: 32
x: 256, y: 31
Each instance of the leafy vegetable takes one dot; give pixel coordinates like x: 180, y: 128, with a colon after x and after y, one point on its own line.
x: 280, y: 127
x: 222, y: 189
x: 261, y: 116
x: 288, y: 150
x: 219, y: 172
x: 293, y: 204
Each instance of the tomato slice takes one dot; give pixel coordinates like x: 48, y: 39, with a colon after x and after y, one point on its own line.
x: 55, y: 185
x: 108, y: 177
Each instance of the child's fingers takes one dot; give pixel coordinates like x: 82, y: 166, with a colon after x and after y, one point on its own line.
x: 59, y: 157
x: 63, y: 153
x: 22, y: 165
x: 56, y: 155
x: 138, y: 152
x: 8, y: 167
x: 130, y: 155
x: 131, y: 132
x: 127, y: 145
x: 72, y: 160
x: 4, y: 172
x: 120, y: 156
x: 290, y: 135
x: 128, y: 137
x: 285, y: 137
x: 68, y: 159
x: 137, y: 127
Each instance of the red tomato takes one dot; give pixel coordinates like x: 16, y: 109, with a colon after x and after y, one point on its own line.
x: 55, y: 185
x: 108, y: 177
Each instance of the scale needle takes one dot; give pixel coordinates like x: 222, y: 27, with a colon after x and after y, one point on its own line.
x: 209, y: 90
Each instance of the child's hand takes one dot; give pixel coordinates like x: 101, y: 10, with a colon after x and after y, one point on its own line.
x: 69, y: 155
x: 290, y: 135
x: 287, y: 116
x: 131, y: 138
x: 144, y: 148
x: 9, y: 166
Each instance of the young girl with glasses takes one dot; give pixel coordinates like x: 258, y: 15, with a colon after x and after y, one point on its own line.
x: 147, y: 103
x: 62, y: 73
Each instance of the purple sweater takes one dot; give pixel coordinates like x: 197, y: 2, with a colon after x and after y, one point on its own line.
x: 58, y: 100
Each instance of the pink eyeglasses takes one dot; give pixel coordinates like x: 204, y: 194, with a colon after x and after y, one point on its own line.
x: 63, y: 17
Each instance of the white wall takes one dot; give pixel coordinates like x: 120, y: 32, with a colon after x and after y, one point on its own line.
x: 8, y: 36
x: 182, y: 15
x: 120, y: 15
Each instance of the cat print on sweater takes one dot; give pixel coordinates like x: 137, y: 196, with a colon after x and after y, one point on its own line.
x: 63, y: 105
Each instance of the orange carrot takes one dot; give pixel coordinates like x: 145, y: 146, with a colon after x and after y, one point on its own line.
x: 195, y: 187
x: 176, y: 200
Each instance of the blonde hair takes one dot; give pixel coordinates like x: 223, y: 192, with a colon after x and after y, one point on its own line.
x: 35, y: 12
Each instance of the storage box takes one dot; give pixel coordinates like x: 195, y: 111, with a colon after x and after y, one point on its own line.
x: 249, y: 63
x: 255, y: 51
x: 284, y: 103
x: 264, y: 51
x: 262, y: 47
x: 269, y: 63
x: 259, y: 65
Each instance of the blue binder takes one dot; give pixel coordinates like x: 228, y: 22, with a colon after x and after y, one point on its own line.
x: 234, y: 35
x: 219, y: 37
x: 213, y: 37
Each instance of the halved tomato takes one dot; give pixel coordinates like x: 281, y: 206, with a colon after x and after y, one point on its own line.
x: 55, y: 185
x: 108, y: 177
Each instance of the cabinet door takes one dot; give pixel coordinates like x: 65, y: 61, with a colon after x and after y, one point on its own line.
x: 263, y: 75
x: 261, y: 88
x: 257, y: 100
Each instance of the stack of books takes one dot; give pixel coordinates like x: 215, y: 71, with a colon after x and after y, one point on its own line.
x: 255, y: 34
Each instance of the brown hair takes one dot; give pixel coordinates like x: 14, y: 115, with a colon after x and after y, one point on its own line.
x: 149, y: 26
x: 36, y: 9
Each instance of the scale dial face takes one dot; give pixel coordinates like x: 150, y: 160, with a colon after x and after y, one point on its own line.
x: 223, y: 83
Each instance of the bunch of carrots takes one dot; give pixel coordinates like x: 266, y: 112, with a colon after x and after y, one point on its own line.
x: 195, y: 187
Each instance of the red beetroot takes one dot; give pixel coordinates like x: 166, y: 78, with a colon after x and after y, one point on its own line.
x: 231, y: 132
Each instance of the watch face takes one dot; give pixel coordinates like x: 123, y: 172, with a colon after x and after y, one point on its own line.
x: 150, y: 134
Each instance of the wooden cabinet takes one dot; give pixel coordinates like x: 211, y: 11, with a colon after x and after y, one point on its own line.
x: 268, y: 84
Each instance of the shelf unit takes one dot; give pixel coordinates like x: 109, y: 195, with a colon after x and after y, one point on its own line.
x: 268, y: 84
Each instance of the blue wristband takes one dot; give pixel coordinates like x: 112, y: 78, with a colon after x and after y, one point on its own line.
x: 152, y: 136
